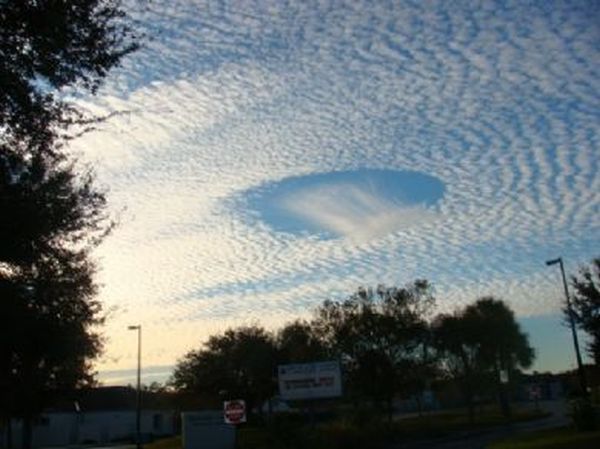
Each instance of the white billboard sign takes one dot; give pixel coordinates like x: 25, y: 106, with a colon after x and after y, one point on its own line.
x: 310, y: 380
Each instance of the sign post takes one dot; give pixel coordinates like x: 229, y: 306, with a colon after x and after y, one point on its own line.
x: 234, y: 411
x: 535, y: 393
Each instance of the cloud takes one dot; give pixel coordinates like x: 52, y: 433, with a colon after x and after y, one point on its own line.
x: 128, y: 376
x: 353, y: 212
x: 500, y: 102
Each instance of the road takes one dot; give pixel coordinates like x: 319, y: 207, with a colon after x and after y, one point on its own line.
x: 481, y: 438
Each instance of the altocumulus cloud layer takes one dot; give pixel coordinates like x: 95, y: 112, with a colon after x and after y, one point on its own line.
x: 500, y: 102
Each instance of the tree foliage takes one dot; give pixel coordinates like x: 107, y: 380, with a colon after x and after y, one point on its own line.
x: 53, y: 209
x: 46, y: 279
x: 477, y: 343
x: 586, y: 305
x: 380, y: 336
x: 49, y: 45
x: 502, y: 344
x: 456, y: 341
x: 53, y: 215
x: 240, y: 363
x: 386, y: 339
x: 297, y: 342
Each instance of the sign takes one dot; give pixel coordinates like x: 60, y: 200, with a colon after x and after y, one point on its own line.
x: 535, y: 392
x: 207, y: 430
x: 310, y: 380
x: 234, y: 411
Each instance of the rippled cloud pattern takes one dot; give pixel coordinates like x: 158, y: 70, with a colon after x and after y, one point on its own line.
x: 499, y: 101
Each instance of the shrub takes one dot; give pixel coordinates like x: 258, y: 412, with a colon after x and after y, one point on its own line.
x: 583, y: 414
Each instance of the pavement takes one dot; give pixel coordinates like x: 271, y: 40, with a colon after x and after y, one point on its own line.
x: 481, y: 438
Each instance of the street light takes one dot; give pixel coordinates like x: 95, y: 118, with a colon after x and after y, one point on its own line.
x: 138, y: 412
x: 581, y: 371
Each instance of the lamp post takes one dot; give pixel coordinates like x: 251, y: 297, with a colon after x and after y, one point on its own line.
x: 138, y: 412
x: 582, y: 379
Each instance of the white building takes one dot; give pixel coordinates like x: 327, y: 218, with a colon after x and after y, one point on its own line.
x: 94, y: 427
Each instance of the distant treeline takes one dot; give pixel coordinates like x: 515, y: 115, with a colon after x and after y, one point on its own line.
x: 389, y: 341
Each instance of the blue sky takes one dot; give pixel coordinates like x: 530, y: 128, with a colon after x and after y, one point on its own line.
x: 276, y: 154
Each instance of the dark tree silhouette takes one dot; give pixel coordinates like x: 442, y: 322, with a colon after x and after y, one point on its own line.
x: 456, y: 338
x: 503, y: 347
x: 50, y: 208
x: 480, y: 342
x: 298, y: 342
x: 239, y: 364
x: 586, y: 305
x: 48, y: 312
x: 380, y: 336
x: 52, y: 215
x: 49, y: 45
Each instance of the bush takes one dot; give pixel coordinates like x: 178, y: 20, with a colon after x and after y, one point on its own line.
x: 583, y: 414
x: 361, y: 415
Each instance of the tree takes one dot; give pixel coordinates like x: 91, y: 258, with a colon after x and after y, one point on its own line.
x: 297, y: 342
x: 47, y: 46
x: 239, y: 364
x: 586, y: 305
x: 480, y: 342
x: 49, y: 314
x: 52, y: 209
x: 456, y: 340
x: 381, y: 338
x: 503, y: 347
x: 53, y: 215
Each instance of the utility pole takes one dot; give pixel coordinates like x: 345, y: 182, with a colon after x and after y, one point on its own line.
x: 138, y: 412
x: 582, y: 378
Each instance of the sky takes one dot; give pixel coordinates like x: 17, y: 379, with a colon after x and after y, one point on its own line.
x: 270, y: 155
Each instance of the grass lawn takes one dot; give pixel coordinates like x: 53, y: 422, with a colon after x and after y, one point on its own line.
x: 165, y: 443
x: 561, y: 438
x: 445, y: 423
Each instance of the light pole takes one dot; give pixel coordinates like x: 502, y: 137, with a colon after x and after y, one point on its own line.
x: 138, y: 412
x: 580, y: 369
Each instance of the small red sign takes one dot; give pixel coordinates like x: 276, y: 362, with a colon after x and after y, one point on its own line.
x: 535, y: 392
x: 234, y: 411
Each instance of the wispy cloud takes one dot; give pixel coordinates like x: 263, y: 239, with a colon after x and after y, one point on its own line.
x: 353, y: 212
x: 126, y: 376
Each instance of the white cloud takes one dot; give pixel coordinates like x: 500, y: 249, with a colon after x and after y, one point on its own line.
x: 354, y: 212
x: 501, y: 108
